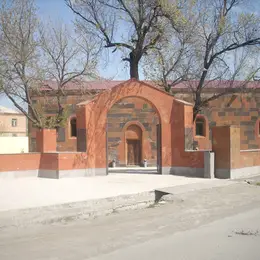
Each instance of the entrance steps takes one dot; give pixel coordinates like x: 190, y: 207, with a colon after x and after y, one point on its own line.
x: 133, y: 170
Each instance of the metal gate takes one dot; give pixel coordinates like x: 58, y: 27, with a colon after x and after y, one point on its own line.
x: 159, y: 149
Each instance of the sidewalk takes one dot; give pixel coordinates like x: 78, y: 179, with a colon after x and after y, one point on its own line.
x: 36, y: 192
x: 36, y: 199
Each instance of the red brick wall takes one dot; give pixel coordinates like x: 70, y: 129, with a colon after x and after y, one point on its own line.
x: 249, y: 158
x: 44, y: 161
x: 19, y: 162
x: 68, y: 161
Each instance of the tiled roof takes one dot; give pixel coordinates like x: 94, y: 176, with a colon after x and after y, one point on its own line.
x: 108, y: 84
x: 216, y: 84
x: 5, y: 110
x: 90, y: 85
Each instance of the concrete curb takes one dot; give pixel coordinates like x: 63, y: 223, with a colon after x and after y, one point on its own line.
x: 98, y: 207
x: 75, y: 210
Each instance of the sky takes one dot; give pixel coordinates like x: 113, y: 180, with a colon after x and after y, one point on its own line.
x: 56, y: 11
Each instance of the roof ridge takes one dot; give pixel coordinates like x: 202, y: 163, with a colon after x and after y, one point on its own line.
x: 8, y: 110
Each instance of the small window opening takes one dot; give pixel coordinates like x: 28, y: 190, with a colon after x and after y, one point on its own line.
x: 14, y: 122
x: 73, y: 127
x: 200, y: 127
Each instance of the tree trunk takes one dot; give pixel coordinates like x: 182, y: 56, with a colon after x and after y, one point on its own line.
x: 134, y: 66
x: 197, y: 105
x: 134, y: 69
x: 195, y: 113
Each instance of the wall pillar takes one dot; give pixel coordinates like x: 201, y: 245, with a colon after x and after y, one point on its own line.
x: 226, y: 146
x: 46, y: 140
x: 81, y: 129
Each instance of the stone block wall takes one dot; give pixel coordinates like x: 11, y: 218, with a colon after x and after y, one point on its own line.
x: 242, y: 110
x: 234, y: 109
x: 64, y: 140
x: 135, y: 110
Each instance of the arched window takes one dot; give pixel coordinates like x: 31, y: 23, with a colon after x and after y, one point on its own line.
x: 73, y: 127
x: 200, y: 126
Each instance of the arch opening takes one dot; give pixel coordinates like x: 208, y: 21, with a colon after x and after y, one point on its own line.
x: 132, y: 134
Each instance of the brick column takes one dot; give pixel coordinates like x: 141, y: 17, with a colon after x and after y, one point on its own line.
x: 188, y: 127
x: 226, y: 146
x: 46, y: 140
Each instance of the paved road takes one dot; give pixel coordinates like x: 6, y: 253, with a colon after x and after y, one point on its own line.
x: 236, y: 237
x: 220, y: 223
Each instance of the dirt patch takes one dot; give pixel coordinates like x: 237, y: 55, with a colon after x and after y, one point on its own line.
x: 247, y: 233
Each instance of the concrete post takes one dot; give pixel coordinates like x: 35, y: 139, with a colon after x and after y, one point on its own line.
x: 209, y: 164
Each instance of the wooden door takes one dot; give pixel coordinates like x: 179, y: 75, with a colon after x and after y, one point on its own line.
x: 133, y: 152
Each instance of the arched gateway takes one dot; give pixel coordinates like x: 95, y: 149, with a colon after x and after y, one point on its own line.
x: 132, y: 133
x: 173, y: 121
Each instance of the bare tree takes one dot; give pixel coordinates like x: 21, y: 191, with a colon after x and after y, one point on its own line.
x: 3, y: 129
x: 171, y: 62
x: 18, y: 54
x: 66, y: 59
x: 29, y: 56
x: 134, y: 27
x: 219, y: 51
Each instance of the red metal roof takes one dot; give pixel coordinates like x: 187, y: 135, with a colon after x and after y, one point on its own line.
x: 108, y: 84
x: 91, y: 85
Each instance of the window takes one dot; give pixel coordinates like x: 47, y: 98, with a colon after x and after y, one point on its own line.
x: 200, y: 127
x: 32, y: 145
x: 14, y: 122
x: 73, y: 127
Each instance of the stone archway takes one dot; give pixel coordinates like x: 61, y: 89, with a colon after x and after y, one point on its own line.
x: 92, y: 123
x: 132, y: 125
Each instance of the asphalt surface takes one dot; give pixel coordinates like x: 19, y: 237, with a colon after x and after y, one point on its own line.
x: 218, y: 223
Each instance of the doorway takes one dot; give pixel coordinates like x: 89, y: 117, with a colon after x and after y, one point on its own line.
x: 133, y: 152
